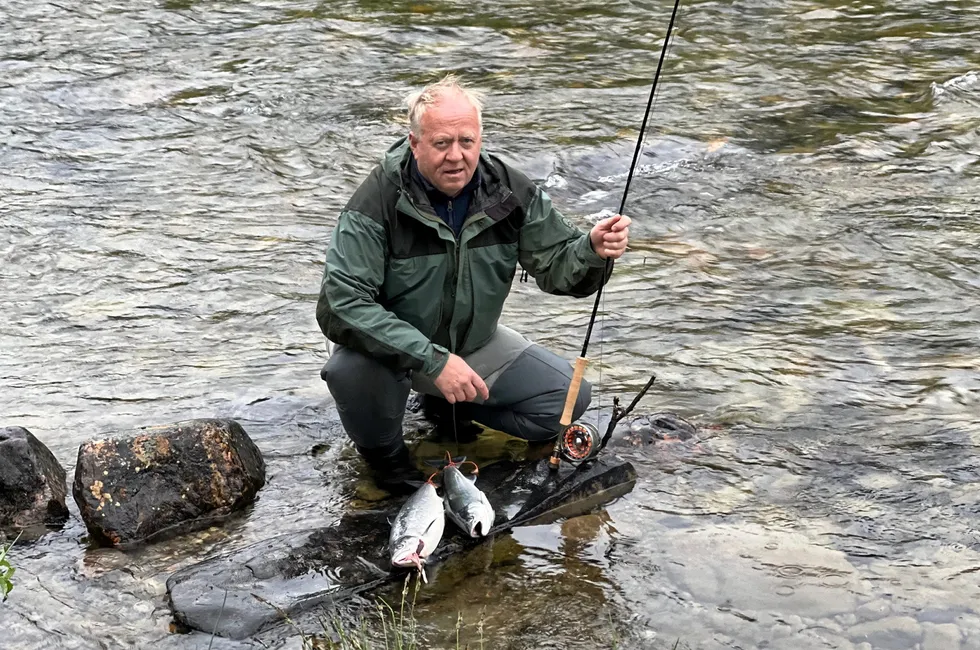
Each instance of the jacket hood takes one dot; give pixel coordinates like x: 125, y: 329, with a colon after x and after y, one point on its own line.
x: 396, y: 158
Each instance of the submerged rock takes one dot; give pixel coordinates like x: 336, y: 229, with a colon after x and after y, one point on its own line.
x: 895, y: 632
x: 32, y: 483
x: 166, y: 480
x: 753, y: 570
x: 238, y: 594
x: 656, y: 428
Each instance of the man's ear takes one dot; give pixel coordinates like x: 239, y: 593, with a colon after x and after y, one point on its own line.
x: 412, y: 141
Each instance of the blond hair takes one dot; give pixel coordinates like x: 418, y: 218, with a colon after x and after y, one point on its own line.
x: 420, y: 101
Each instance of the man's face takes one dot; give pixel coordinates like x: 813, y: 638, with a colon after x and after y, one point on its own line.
x: 448, y: 149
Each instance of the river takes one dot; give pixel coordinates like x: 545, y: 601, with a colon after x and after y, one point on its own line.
x: 804, y: 279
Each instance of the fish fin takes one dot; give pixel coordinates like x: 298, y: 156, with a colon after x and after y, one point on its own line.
x: 471, y: 478
x: 446, y: 462
x: 456, y: 519
x: 414, y: 484
x: 427, y: 529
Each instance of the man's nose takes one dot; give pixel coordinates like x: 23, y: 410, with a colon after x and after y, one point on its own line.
x: 455, y: 151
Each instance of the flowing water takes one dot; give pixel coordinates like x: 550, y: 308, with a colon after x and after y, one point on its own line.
x: 804, y: 280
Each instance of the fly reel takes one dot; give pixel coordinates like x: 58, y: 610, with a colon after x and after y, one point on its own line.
x: 578, y: 442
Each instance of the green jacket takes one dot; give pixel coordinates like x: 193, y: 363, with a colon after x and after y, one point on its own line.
x: 399, y: 287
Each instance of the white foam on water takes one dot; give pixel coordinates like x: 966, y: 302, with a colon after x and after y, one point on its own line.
x: 556, y: 180
x: 643, y: 171
x: 596, y: 217
x: 593, y: 196
x: 821, y: 14
x: 969, y: 81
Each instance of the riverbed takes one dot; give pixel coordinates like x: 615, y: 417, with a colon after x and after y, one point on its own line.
x: 803, y: 278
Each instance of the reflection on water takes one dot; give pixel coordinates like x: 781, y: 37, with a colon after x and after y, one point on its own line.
x: 803, y: 279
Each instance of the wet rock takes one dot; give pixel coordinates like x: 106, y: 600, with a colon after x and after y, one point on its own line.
x: 941, y: 637
x: 808, y: 642
x: 32, y: 484
x: 874, y: 610
x: 166, y: 480
x: 751, y: 569
x: 656, y: 428
x: 893, y: 633
x: 795, y: 622
x: 238, y: 594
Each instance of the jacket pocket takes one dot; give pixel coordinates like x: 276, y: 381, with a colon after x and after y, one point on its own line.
x: 413, y: 289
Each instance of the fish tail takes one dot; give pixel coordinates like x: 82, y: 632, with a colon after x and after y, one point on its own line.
x: 449, y: 462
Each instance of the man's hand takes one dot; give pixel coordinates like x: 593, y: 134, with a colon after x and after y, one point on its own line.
x: 459, y: 383
x: 610, y: 236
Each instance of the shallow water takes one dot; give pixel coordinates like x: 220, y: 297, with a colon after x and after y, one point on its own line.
x: 803, y: 280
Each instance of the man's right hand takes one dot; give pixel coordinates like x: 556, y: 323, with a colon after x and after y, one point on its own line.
x: 459, y: 383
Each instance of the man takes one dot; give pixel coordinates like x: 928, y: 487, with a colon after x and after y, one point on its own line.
x: 420, y: 263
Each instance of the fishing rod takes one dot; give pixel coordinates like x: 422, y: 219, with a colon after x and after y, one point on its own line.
x: 578, y: 440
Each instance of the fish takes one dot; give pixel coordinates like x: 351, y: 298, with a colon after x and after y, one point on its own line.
x: 466, y: 505
x: 417, y: 528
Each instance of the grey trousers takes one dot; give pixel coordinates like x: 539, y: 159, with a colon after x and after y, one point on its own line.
x: 528, y: 385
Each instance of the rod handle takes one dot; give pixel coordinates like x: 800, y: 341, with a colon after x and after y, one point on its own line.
x: 573, y: 389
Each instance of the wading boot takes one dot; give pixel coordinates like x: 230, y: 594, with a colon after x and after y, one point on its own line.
x: 449, y: 425
x: 392, y: 468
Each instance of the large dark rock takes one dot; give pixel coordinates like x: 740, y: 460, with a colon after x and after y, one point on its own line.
x: 656, y: 428
x: 238, y: 594
x: 32, y: 483
x: 165, y: 480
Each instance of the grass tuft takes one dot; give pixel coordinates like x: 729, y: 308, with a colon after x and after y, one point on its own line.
x: 7, y: 570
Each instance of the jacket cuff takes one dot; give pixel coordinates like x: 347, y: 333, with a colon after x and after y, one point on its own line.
x: 436, y: 362
x: 587, y: 254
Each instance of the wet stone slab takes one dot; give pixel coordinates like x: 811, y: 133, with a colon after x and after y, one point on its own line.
x: 238, y: 594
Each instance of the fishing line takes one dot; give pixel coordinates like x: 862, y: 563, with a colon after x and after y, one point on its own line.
x: 651, y: 103
x: 580, y: 363
x: 629, y: 177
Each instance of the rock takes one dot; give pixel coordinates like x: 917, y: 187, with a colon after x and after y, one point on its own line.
x: 649, y: 433
x: 752, y: 569
x: 166, y: 480
x: 874, y: 610
x: 238, y: 594
x: 941, y: 637
x: 659, y: 427
x: 32, y: 483
x: 892, y: 633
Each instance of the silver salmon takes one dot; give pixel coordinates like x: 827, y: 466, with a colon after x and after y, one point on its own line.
x: 417, y: 529
x: 466, y: 504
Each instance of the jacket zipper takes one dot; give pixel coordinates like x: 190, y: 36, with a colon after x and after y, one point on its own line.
x: 456, y: 248
x: 457, y: 251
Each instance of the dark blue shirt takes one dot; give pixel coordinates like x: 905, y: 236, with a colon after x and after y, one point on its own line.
x: 452, y: 210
